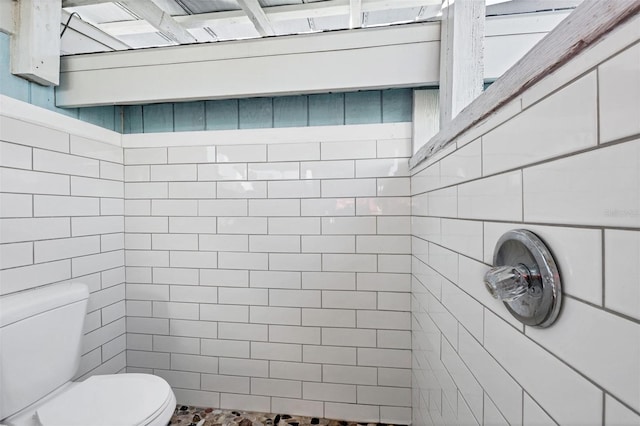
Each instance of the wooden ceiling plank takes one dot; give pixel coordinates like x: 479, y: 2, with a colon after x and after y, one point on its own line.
x: 257, y: 16
x: 159, y: 19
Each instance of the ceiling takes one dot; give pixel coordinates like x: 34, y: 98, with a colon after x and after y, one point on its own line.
x: 102, y: 25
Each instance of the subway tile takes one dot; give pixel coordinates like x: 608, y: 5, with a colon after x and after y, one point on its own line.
x: 174, y: 208
x: 193, y: 259
x: 622, y: 268
x: 275, y: 279
x: 184, y: 345
x: 294, y: 189
x: 244, y: 367
x: 384, y: 282
x: 192, y: 154
x: 226, y: 348
x: 297, y: 406
x: 193, y: 294
x: 577, y: 252
x: 384, y: 320
x: 19, y: 254
x: 243, y: 260
x: 188, y: 328
x: 353, y: 412
x: 137, y: 208
x: 30, y: 182
x: 295, y: 371
x: 294, y: 298
x: 53, y: 205
x: 388, y: 206
x: 229, y: 313
x: 24, y: 133
x: 294, y: 226
x: 465, y: 381
x: 382, y: 167
x: 15, y: 156
x: 350, y: 375
x: 274, y: 243
x: 396, y: 415
x: 148, y: 359
x: 286, y: 207
x: 328, y: 207
x: 146, y: 224
x: 146, y: 258
x: 443, y: 202
x: 274, y: 171
x: 241, y: 153
x: 96, y: 225
x: 253, y: 189
x: 224, y: 277
x: 112, y: 206
x: 137, y: 173
x: 176, y: 310
x: 137, y: 308
x: 138, y: 274
x: 274, y: 387
x: 425, y: 180
x: 393, y: 187
x: 348, y: 299
x: 379, y: 244
x: 329, y: 280
x: 397, y: 358
x: 96, y: 262
x: 192, y: 190
x: 273, y: 315
x: 469, y: 312
x: 294, y: 151
x: 570, y: 124
x: 349, y: 262
x: 224, y: 242
x: 294, y: 334
x: 16, y: 205
x: 222, y: 207
x: 26, y: 277
x: 545, y: 377
x: 195, y: 363
x: 463, y: 165
x: 394, y: 301
x: 619, y: 95
x: 348, y: 188
x: 497, y: 197
x: 533, y: 414
x: 147, y: 292
x: 113, y: 276
x: 495, y: 381
x: 329, y: 392
x: 238, y: 331
x: 222, y: 172
x: 243, y: 296
x: 618, y: 414
x: 348, y: 337
x: 595, y: 336
x: 582, y: 185
x: 180, y: 379
x: 348, y: 150
x: 394, y: 377
x: 49, y: 161
x: 328, y: 244
x: 394, y: 225
x: 192, y: 225
x: 134, y: 190
x: 394, y: 148
x: 276, y: 351
x: 327, y: 169
x: 248, y: 402
x: 463, y: 236
x: 348, y: 225
x: 384, y: 395
x: 96, y: 187
x: 328, y: 317
x: 198, y: 398
x: 145, y: 156
x: 225, y: 383
x: 17, y: 230
x: 180, y: 172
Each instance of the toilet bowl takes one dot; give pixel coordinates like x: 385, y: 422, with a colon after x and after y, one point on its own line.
x: 41, y: 334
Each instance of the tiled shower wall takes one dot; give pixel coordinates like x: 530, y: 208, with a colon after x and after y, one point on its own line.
x: 271, y: 276
x: 61, y: 219
x: 564, y: 164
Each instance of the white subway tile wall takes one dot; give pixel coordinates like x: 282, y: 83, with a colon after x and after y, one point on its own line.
x: 62, y: 219
x: 254, y: 281
x: 570, y: 175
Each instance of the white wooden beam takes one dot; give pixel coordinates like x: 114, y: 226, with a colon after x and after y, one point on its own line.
x: 461, y: 56
x: 7, y: 8
x: 76, y: 3
x: 92, y: 32
x: 594, y: 28
x: 159, y: 19
x: 426, y: 116
x: 321, y: 9
x: 355, y: 13
x: 257, y: 17
x: 312, y: 63
x: 35, y: 44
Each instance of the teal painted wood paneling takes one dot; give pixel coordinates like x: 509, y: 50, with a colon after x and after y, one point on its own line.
x: 255, y: 113
x: 132, y: 119
x: 42, y: 96
x: 188, y: 116
x: 157, y: 118
x: 10, y: 85
x: 397, y: 105
x: 326, y: 109
x: 221, y: 115
x: 290, y: 111
x: 103, y: 116
x: 363, y: 107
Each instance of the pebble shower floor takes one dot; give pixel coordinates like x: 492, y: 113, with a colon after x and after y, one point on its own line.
x: 196, y: 416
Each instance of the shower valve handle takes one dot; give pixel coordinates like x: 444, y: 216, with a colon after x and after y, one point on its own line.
x: 508, y: 283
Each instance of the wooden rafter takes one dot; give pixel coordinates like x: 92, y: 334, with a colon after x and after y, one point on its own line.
x: 256, y: 15
x: 355, y: 13
x: 159, y: 19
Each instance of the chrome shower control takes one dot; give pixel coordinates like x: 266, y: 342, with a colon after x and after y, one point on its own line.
x: 525, y: 278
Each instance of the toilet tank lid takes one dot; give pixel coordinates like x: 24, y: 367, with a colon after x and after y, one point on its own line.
x: 18, y: 306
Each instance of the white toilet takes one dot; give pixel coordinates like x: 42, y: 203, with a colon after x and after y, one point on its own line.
x: 40, y: 340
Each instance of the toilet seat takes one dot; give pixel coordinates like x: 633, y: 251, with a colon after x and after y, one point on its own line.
x: 110, y: 400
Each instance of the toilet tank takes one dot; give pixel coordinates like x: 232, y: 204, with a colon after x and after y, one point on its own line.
x: 40, y: 337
